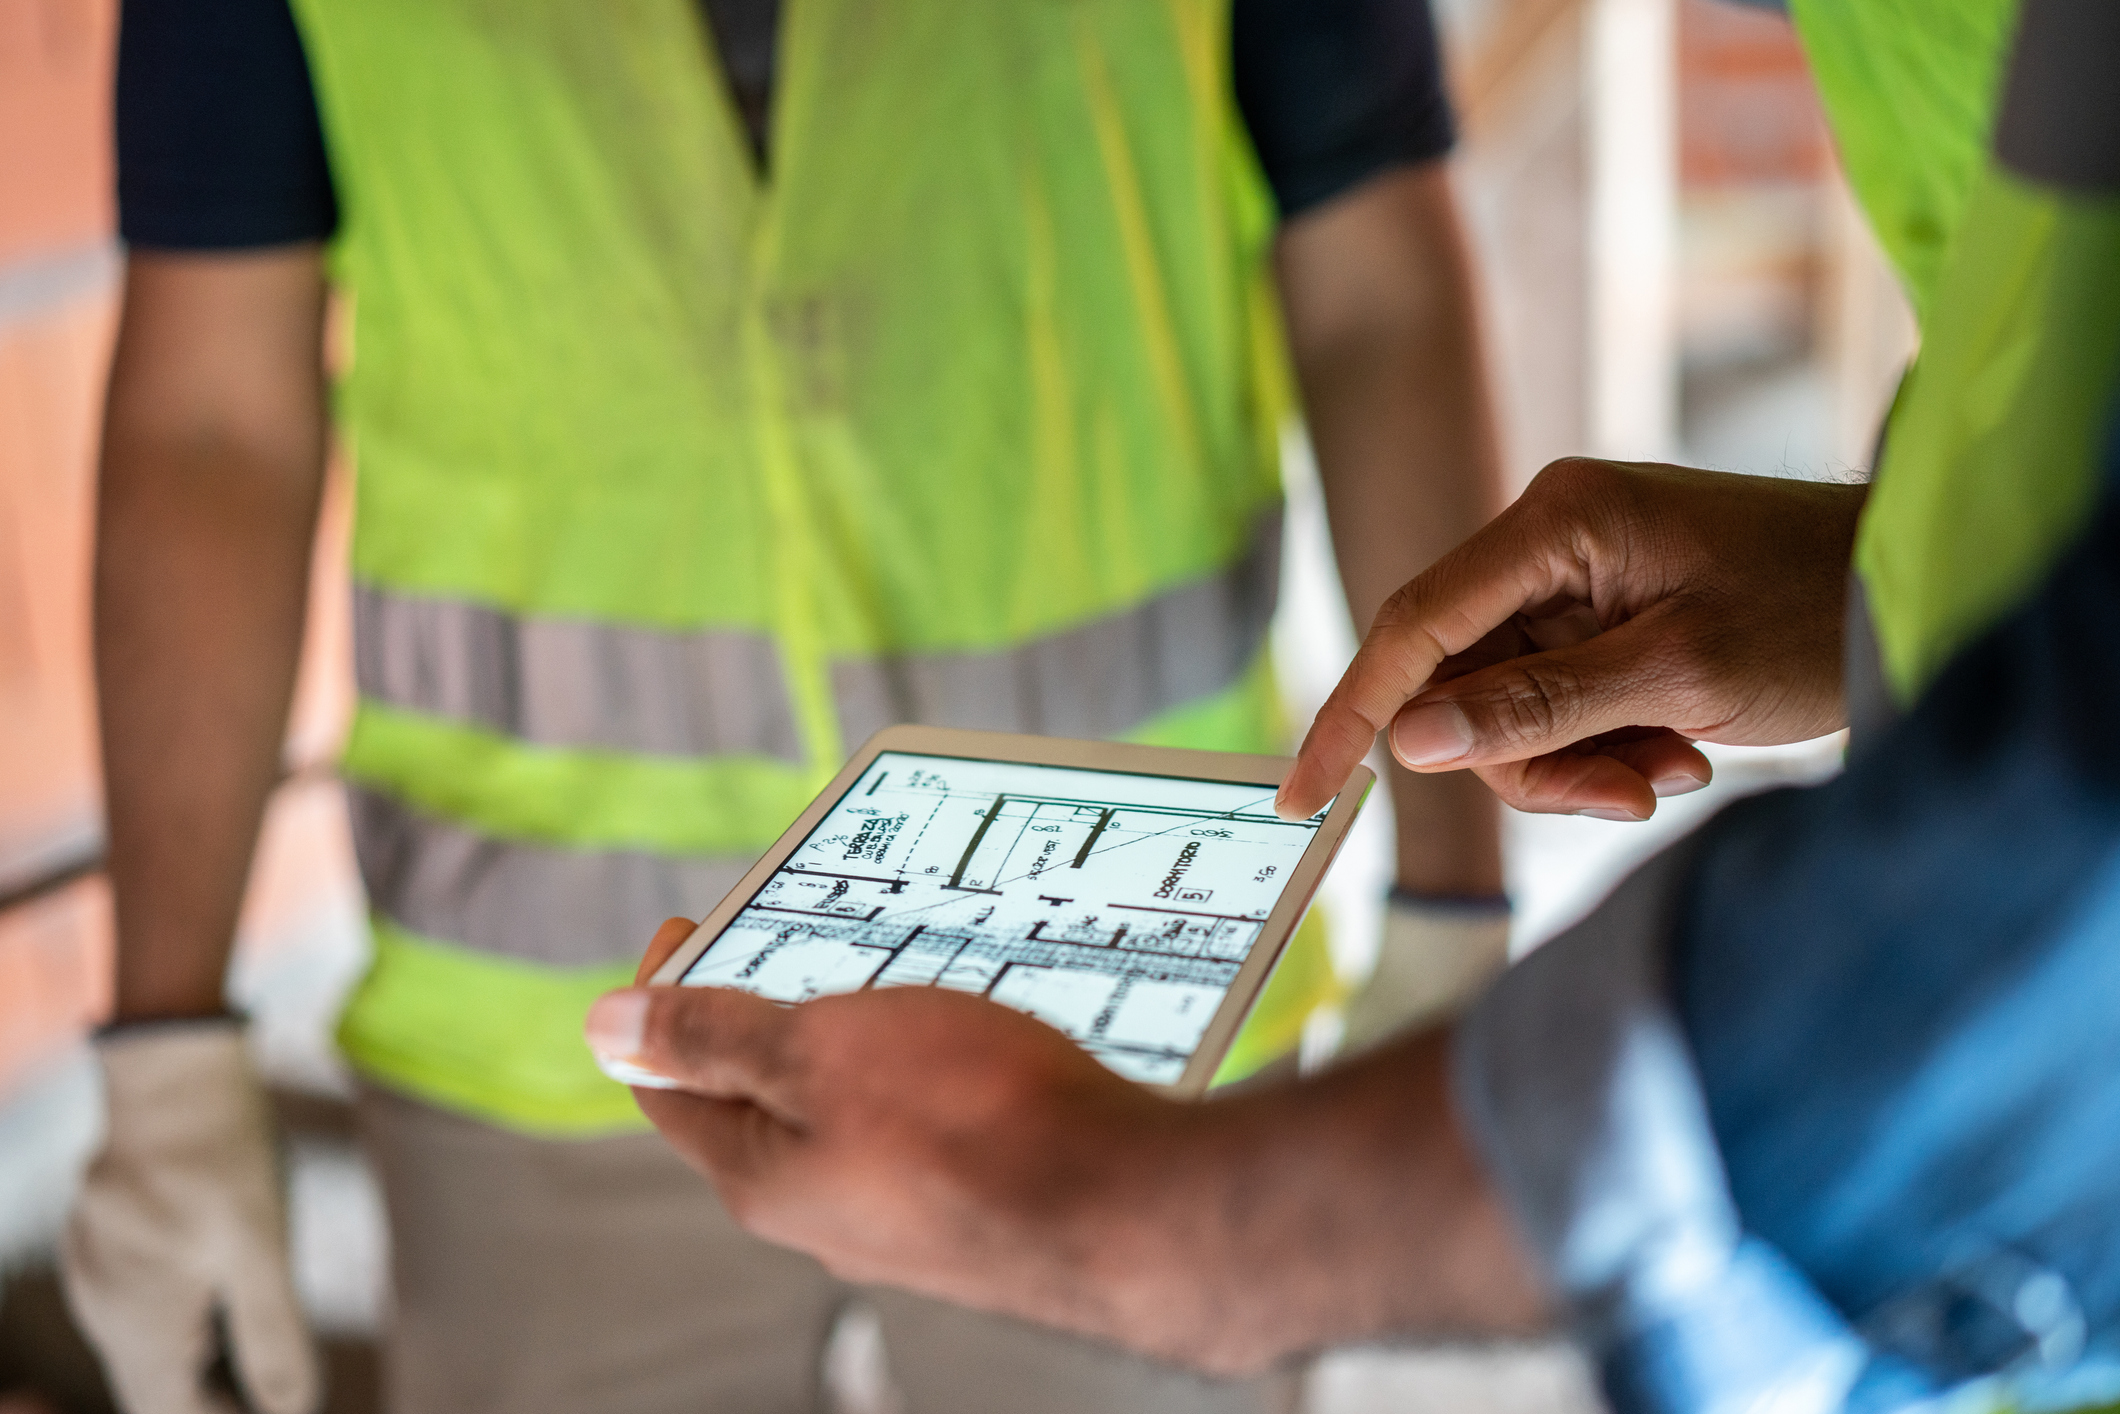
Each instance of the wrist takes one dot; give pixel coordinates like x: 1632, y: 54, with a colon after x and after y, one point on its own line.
x: 170, y: 1023
x: 1468, y: 904
x: 176, y: 990
x: 181, y: 1088
x: 1280, y: 1221
x: 1161, y: 1236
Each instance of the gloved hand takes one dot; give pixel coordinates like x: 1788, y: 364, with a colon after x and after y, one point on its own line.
x: 180, y: 1219
x: 1434, y: 958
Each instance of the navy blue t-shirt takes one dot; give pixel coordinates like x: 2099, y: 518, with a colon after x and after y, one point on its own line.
x: 219, y: 145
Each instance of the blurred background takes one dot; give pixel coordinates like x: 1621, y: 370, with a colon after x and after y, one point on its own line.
x: 1673, y: 272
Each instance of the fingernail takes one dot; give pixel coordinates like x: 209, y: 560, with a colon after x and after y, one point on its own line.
x: 1678, y: 783
x: 616, y: 1022
x: 1621, y: 816
x: 1432, y: 735
x: 1287, y: 812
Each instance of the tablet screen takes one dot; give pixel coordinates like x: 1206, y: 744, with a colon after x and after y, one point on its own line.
x: 1117, y: 907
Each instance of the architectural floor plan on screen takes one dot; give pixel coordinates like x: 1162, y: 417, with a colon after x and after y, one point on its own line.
x: 1116, y: 907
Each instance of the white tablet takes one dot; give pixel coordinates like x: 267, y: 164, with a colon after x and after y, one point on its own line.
x: 1134, y: 897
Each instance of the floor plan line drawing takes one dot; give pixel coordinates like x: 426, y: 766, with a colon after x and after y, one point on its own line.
x: 993, y: 813
x: 1118, y: 908
x: 895, y: 884
x: 1095, y: 834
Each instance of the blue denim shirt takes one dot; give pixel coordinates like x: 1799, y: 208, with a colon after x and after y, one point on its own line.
x: 1821, y: 1110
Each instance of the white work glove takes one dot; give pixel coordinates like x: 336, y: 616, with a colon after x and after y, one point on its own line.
x: 1433, y: 959
x: 179, y: 1220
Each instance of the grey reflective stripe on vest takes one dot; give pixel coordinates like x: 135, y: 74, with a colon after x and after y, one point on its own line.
x: 580, y: 684
x: 575, y: 683
x: 534, y: 902
x: 1094, y: 680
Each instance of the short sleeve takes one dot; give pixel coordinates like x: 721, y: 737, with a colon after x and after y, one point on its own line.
x: 219, y: 144
x: 1334, y: 92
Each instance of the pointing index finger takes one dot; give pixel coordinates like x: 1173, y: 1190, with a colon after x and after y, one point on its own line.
x: 1459, y: 600
x: 1359, y: 707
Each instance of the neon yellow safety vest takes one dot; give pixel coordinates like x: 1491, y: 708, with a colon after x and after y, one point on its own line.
x: 674, y: 483
x: 1990, y: 464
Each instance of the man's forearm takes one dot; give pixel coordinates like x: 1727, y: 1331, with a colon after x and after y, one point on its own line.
x: 1384, y: 330
x: 1350, y: 1207
x: 923, y: 1138
x: 211, y: 477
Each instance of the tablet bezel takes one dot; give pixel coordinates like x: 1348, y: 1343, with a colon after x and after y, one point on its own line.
x: 1263, y: 771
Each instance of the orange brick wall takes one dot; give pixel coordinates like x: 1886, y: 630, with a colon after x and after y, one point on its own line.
x: 1747, y: 110
x: 51, y: 373
x: 57, y: 312
x: 55, y: 202
x: 55, y: 159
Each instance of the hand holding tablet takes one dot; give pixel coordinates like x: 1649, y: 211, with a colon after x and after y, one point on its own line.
x: 1135, y: 898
